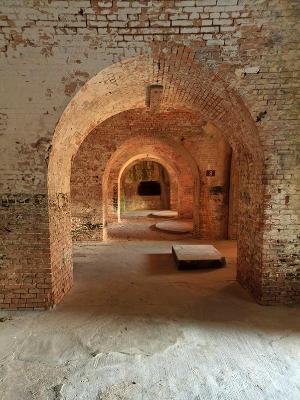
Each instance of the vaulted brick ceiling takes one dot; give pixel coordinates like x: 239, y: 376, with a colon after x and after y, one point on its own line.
x: 186, y: 84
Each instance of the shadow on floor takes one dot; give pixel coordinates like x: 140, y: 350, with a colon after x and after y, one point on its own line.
x: 163, y: 264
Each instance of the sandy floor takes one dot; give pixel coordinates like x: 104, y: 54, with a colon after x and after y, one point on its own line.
x: 141, y: 225
x: 135, y: 328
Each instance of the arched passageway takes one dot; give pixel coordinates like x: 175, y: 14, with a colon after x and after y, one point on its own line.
x: 168, y: 135
x: 177, y: 161
x: 146, y: 185
x: 186, y: 85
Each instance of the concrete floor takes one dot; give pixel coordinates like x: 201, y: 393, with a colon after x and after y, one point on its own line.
x: 135, y: 328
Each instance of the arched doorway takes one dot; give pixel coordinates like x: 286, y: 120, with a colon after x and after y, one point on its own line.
x: 191, y: 87
x: 145, y: 185
x: 176, y: 160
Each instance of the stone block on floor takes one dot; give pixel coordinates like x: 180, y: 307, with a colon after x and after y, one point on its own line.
x: 197, y: 256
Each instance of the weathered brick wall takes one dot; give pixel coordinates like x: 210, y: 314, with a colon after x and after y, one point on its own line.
x: 60, y: 246
x: 212, y: 153
x: 49, y: 49
x: 25, y: 270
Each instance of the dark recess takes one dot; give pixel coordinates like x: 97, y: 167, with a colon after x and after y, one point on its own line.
x: 149, y: 188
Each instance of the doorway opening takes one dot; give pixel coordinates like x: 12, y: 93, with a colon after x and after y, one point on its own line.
x: 145, y: 185
x: 169, y: 163
x: 160, y: 135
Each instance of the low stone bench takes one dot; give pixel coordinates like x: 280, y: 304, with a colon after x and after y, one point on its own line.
x: 197, y: 256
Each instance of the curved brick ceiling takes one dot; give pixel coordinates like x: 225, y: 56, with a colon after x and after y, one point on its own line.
x: 162, y: 149
x: 187, y: 84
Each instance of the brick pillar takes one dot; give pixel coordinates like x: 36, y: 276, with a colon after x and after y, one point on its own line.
x: 25, y: 269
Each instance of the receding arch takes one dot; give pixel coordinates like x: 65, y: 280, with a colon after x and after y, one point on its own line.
x: 120, y: 87
x: 117, y: 172
x: 172, y: 173
x: 177, y: 160
x: 164, y: 183
x: 187, y: 85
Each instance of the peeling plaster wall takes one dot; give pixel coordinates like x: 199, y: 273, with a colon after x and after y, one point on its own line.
x: 49, y: 49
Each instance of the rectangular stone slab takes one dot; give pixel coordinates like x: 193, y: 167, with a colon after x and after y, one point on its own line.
x: 197, y: 256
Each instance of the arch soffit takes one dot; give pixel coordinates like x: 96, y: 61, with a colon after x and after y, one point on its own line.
x: 148, y: 157
x: 122, y: 157
x: 187, y: 85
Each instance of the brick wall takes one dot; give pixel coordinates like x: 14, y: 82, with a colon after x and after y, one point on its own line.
x: 233, y: 214
x: 234, y: 62
x: 25, y: 269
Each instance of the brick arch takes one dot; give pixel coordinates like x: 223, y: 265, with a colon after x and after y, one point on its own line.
x: 172, y: 173
x: 178, y: 162
x: 187, y: 85
x: 116, y: 172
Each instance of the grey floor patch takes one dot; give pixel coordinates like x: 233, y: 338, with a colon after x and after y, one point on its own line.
x: 133, y: 317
